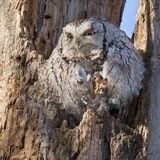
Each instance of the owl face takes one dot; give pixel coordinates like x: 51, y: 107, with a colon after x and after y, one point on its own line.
x: 84, y: 40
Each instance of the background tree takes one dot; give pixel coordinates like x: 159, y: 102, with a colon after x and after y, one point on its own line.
x: 37, y: 130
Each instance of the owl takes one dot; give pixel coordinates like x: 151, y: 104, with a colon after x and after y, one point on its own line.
x: 93, y: 60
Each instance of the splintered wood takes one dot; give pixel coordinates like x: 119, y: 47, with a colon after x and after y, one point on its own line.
x: 100, y: 85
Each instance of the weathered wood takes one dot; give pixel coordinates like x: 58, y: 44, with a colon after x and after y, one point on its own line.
x: 146, y: 39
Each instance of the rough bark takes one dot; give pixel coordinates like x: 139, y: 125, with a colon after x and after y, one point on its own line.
x: 147, y: 40
x: 34, y: 129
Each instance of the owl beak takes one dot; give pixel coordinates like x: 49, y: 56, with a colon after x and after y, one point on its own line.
x: 78, y: 42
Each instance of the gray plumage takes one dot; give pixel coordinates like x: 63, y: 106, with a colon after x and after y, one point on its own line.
x: 86, y: 47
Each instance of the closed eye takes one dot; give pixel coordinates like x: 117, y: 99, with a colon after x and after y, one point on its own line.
x: 89, y: 32
x: 69, y: 35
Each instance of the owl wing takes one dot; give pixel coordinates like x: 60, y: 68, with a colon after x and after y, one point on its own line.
x: 124, y: 69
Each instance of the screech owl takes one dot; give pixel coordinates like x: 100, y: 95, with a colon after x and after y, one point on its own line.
x: 90, y: 48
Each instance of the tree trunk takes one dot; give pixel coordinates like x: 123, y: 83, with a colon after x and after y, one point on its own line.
x: 34, y: 129
x: 147, y: 40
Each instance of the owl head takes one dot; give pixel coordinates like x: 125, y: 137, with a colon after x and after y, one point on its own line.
x: 85, y: 39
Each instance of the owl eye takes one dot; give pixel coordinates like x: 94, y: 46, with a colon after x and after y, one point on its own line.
x: 69, y: 35
x: 89, y: 32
